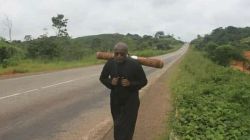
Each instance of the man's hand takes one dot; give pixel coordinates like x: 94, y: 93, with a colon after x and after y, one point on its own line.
x: 114, y: 81
x: 125, y: 82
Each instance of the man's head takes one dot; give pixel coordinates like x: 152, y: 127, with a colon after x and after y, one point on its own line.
x: 120, y: 52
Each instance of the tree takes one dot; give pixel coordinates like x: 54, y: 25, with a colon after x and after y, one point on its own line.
x: 225, y: 53
x: 159, y: 34
x: 96, y: 43
x: 27, y: 37
x: 147, y: 37
x: 2, y: 39
x: 60, y: 24
x: 9, y: 54
x: 210, y: 48
x: 162, y: 46
x: 44, y: 48
x: 8, y: 24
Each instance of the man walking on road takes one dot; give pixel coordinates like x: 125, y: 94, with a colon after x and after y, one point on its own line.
x: 125, y: 77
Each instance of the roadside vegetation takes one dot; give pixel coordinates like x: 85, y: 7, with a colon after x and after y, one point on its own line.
x: 47, y: 53
x: 53, y: 53
x: 211, y: 99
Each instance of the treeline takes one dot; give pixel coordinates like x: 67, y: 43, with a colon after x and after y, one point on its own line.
x: 224, y: 44
x: 64, y: 48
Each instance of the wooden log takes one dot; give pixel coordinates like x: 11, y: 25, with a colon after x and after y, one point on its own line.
x: 151, y: 62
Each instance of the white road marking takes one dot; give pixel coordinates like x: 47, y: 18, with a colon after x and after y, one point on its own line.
x: 54, y: 85
x: 16, y: 94
x: 48, y: 86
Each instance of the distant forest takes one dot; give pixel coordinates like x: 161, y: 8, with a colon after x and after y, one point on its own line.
x: 67, y: 49
x: 225, y: 44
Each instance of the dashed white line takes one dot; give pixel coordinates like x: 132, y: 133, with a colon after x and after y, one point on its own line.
x: 16, y: 94
x: 54, y: 85
x: 58, y: 84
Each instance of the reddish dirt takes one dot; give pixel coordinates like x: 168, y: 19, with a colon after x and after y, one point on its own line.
x: 245, y: 67
x: 8, y: 74
x: 238, y: 65
x: 247, y: 54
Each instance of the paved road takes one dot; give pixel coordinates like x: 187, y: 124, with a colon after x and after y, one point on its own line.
x: 64, y: 105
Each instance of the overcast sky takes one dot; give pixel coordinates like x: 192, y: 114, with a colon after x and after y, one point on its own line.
x: 183, y: 18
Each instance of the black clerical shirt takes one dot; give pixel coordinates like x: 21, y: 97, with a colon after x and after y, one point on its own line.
x: 129, y: 69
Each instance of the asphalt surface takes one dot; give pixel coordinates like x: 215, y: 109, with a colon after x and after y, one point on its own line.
x: 64, y: 105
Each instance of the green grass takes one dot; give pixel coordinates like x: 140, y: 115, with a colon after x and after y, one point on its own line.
x: 152, y: 52
x: 211, y: 101
x: 27, y: 66
x: 30, y: 66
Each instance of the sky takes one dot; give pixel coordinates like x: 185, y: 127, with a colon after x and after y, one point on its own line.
x: 182, y: 18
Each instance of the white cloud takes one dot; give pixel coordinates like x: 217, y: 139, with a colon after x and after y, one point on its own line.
x: 183, y: 18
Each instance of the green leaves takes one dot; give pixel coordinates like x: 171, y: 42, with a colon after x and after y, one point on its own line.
x: 10, y: 55
x: 60, y: 23
x: 212, y: 101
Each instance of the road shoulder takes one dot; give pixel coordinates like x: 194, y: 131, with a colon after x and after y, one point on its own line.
x: 154, y: 110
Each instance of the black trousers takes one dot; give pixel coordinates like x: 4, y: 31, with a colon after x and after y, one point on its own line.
x: 124, y: 115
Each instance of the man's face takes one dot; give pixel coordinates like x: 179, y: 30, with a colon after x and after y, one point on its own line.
x: 120, y: 55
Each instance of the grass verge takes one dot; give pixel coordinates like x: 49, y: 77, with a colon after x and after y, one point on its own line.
x: 211, y: 101
x: 29, y: 66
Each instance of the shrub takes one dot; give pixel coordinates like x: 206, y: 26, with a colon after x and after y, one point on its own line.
x: 10, y: 55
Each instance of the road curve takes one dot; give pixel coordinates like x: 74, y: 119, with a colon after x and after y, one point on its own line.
x: 70, y: 104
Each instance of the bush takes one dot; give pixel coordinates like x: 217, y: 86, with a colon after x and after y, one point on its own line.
x: 10, y: 55
x: 225, y: 53
x: 44, y: 48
